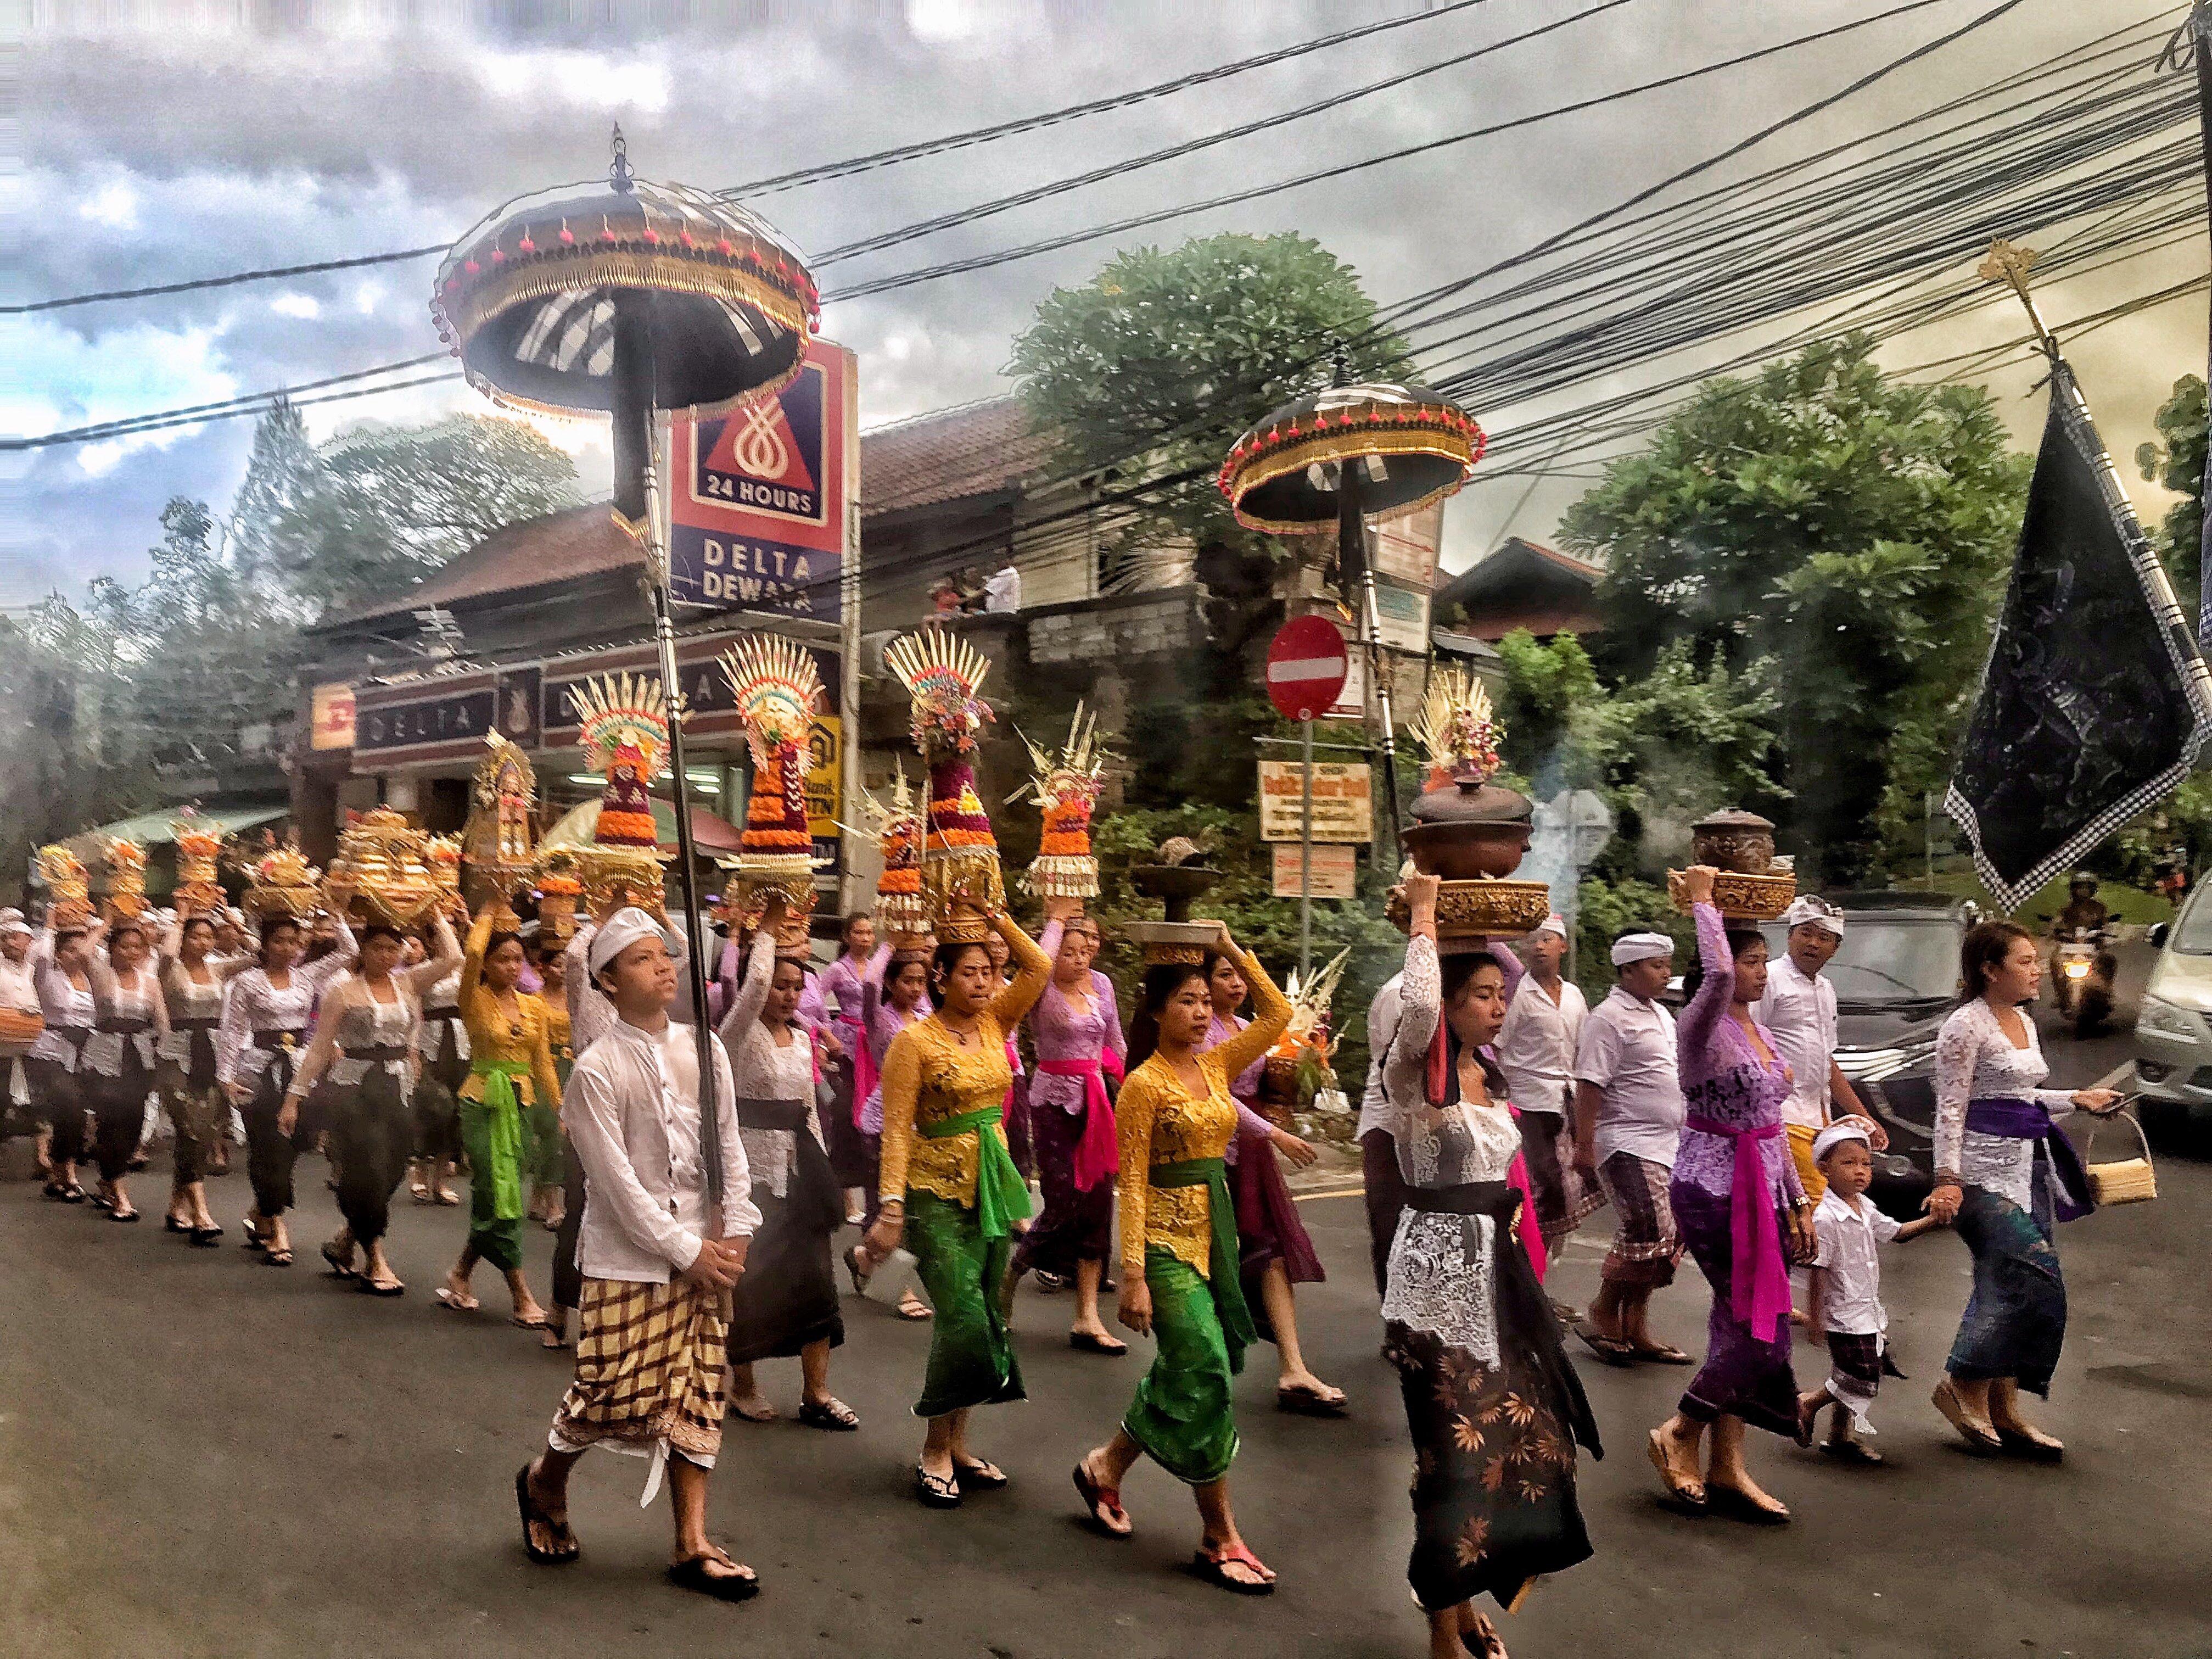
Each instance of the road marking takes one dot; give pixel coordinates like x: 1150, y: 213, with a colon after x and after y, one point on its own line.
x: 1334, y: 1192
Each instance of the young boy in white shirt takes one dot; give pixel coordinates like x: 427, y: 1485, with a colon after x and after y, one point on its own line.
x: 1846, y: 1299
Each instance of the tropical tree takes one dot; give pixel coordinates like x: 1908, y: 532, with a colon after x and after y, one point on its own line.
x: 2176, y: 462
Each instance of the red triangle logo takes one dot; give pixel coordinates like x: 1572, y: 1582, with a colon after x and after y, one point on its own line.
x: 759, y: 443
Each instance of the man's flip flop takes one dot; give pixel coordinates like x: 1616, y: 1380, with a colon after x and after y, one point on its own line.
x: 1311, y: 1402
x: 565, y: 1548
x: 1662, y: 1353
x: 447, y: 1299
x: 1211, y: 1564
x: 737, y: 1584
x: 1610, y: 1349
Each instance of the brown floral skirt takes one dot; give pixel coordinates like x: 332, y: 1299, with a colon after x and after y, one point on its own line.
x: 1493, y: 1471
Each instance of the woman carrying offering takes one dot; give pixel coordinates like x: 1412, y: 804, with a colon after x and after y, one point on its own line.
x: 510, y: 1072
x: 1180, y: 1261
x: 367, y: 1029
x: 1277, y: 1253
x: 949, y: 1190
x: 1742, y: 1211
x: 786, y: 1303
x: 442, y: 1039
x: 2004, y: 1174
x: 894, y: 995
x: 61, y: 970
x: 130, y: 1020
x: 1494, y: 1406
x: 1077, y: 1027
x: 187, y: 1071
x: 266, y: 1012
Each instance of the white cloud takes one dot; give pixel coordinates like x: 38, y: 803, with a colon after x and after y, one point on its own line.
x: 589, y: 80
x: 61, y: 379
x: 305, y: 307
x: 368, y: 297
x: 114, y: 204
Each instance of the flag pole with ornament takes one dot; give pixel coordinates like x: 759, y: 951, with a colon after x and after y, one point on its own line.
x: 960, y: 872
x: 777, y: 691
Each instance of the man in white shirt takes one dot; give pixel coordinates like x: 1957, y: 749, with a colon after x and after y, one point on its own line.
x: 1800, y: 1009
x: 19, y: 996
x: 1535, y: 1051
x: 1003, y: 592
x: 1378, y: 1147
x: 652, y: 1341
x: 1628, y: 1121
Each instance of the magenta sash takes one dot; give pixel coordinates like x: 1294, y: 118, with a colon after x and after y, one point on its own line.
x: 1758, y: 1280
x: 1099, y: 1152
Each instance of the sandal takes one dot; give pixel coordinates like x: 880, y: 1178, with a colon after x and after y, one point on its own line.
x: 448, y: 1298
x: 937, y: 1491
x: 911, y: 1306
x: 853, y: 1271
x: 1660, y: 1353
x: 1851, y: 1451
x: 250, y: 1238
x: 1307, y: 1402
x: 206, y: 1238
x: 73, y: 1193
x: 553, y: 1341
x: 56, y: 1191
x: 565, y: 1548
x: 736, y: 1583
x: 384, y: 1286
x: 1690, y: 1494
x: 276, y: 1259
x: 1085, y: 1342
x: 2031, y: 1443
x: 833, y: 1414
x: 122, y: 1215
x: 766, y: 1414
x: 1610, y: 1349
x: 1981, y: 1439
x: 982, y: 1475
x: 1104, y: 1503
x: 1211, y: 1565
x: 341, y: 1266
x: 527, y: 1321
x: 170, y: 1224
x: 1735, y: 1501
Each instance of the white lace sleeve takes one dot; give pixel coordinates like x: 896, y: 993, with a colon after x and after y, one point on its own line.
x: 1958, y: 1051
x: 1421, y: 1006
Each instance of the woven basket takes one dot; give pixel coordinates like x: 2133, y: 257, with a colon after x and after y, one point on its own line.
x: 18, y: 1028
x: 2127, y: 1179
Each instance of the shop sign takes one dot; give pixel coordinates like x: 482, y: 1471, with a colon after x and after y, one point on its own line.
x: 1406, y: 549
x: 825, y: 776
x: 1343, y: 801
x: 1335, y: 871
x: 758, y: 516
x: 1401, y: 617
x: 331, y: 716
x: 383, y: 731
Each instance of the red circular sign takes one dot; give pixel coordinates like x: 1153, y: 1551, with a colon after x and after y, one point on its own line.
x: 1306, y: 667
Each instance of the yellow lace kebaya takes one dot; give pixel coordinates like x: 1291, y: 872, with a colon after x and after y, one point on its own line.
x: 518, y: 1041
x: 1161, y: 1123
x: 929, y: 1075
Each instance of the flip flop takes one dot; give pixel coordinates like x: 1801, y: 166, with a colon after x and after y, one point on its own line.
x: 1735, y: 1502
x: 207, y: 1237
x: 448, y: 1300
x: 522, y: 1322
x: 1085, y: 1342
x: 853, y: 1271
x: 1692, y: 1495
x: 340, y: 1267
x: 738, y: 1585
x: 170, y: 1224
x: 557, y: 1556
x: 937, y: 1491
x: 1311, y: 1402
x: 1210, y: 1564
x: 276, y: 1259
x: 1850, y: 1451
x: 740, y: 1413
x: 1610, y: 1349
x: 983, y: 1477
x: 1103, y: 1502
x: 1660, y: 1353
x: 395, y: 1288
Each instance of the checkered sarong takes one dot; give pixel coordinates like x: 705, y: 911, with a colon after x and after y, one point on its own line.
x: 1854, y: 1373
x: 649, y: 1361
x: 1646, y: 1246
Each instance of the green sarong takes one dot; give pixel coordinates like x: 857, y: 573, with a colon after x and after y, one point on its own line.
x: 491, y: 1130
x: 1002, y: 1197
x: 1181, y: 1413
x: 971, y: 1362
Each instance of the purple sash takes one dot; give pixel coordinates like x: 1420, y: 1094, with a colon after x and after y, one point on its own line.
x: 2028, y: 1120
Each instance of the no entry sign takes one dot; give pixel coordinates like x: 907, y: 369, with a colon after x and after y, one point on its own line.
x: 1306, y: 667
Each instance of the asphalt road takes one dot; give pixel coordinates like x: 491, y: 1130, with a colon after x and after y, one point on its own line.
x: 200, y: 1456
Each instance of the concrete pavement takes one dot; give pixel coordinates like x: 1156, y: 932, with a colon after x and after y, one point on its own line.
x: 202, y: 1456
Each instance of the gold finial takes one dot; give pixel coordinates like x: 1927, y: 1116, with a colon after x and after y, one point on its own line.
x: 2008, y: 262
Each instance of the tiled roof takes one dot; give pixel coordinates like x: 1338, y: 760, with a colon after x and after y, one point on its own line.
x: 541, y: 552
x: 974, y: 449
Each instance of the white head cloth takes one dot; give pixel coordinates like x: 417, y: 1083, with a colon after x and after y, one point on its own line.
x: 1835, y: 1135
x: 623, y: 929
x: 1818, y: 912
x: 1641, y: 947
x: 1554, y: 925
x: 11, y: 921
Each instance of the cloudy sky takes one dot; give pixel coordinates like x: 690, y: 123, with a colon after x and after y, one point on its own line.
x: 165, y: 141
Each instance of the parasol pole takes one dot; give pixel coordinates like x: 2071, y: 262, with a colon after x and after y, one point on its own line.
x: 1353, y: 566
x: 637, y: 493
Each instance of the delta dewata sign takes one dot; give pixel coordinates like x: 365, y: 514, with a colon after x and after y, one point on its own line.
x: 757, y: 519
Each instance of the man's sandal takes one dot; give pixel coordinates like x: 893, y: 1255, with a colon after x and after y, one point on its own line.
x: 565, y: 1548
x: 833, y: 1414
x: 734, y: 1584
x: 1211, y: 1565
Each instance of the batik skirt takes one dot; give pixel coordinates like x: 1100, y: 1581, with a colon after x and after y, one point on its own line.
x: 1645, y: 1242
x: 971, y: 1360
x: 1746, y: 1373
x: 649, y: 1370
x: 1075, y: 1225
x: 1564, y: 1198
x: 2015, y: 1319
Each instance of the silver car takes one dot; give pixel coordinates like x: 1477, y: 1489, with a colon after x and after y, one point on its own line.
x: 2174, y: 1031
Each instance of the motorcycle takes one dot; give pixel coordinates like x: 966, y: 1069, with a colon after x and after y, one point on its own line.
x: 2082, y: 969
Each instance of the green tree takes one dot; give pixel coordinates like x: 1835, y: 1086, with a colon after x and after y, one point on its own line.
x: 1158, y: 363
x: 2176, y: 462
x: 383, y: 507
x: 1838, y: 541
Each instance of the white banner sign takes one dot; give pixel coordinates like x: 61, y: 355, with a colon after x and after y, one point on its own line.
x: 1335, y: 872
x: 1343, y: 801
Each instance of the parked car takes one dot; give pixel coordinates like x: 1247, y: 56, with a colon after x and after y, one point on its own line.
x: 1896, y: 976
x: 2173, y: 1033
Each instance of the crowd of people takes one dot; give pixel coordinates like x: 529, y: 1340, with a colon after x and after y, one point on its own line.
x: 891, y: 1091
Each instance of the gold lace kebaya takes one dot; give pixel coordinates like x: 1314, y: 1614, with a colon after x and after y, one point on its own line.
x: 520, y: 1037
x: 930, y: 1075
x: 1161, y: 1124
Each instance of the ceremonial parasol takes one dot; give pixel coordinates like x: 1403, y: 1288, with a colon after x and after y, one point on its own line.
x: 632, y: 298
x: 1336, y: 458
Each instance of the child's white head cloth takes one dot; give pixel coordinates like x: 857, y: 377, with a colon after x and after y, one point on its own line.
x: 1835, y: 1135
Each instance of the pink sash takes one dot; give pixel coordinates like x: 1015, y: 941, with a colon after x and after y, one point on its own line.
x: 1532, y: 1235
x: 1099, y: 1152
x: 865, y: 1076
x: 1758, y: 1289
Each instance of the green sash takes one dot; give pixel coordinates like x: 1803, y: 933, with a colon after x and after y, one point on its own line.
x: 1002, y: 1197
x: 503, y: 1134
x: 1224, y: 1260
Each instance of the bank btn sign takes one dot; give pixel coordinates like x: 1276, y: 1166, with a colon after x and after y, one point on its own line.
x: 757, y: 521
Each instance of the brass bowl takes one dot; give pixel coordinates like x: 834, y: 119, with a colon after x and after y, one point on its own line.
x: 1741, y: 897
x: 1468, y: 851
x: 1178, y: 942
x: 1468, y: 911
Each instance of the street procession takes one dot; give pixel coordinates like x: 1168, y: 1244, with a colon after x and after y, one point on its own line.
x: 1415, y: 764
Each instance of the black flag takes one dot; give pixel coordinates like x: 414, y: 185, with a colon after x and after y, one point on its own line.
x: 2094, y: 701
